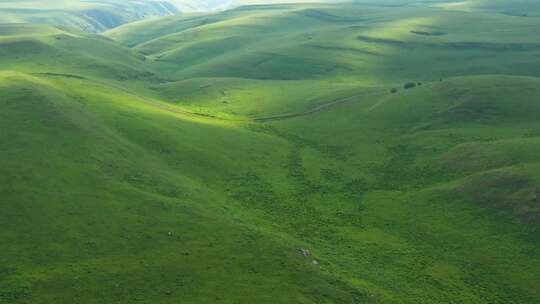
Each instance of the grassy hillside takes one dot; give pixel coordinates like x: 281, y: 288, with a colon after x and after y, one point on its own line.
x: 98, y: 207
x: 217, y: 5
x: 91, y: 16
x: 54, y: 52
x: 344, y: 46
x: 518, y: 8
x: 258, y: 155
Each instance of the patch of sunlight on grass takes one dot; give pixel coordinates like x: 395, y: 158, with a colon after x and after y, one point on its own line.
x: 459, y: 5
x: 14, y: 77
x: 400, y: 28
x: 152, y: 106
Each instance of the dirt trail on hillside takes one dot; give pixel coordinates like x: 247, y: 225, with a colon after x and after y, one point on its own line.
x: 261, y: 119
x: 316, y: 109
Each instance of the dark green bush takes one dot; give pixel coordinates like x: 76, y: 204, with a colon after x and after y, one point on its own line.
x: 409, y: 85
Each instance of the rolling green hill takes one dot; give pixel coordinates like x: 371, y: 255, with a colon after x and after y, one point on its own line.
x: 91, y: 16
x: 100, y: 15
x: 342, y: 46
x: 39, y: 49
x: 260, y: 155
x: 518, y: 8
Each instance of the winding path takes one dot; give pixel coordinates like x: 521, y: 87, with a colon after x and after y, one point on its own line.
x: 316, y: 109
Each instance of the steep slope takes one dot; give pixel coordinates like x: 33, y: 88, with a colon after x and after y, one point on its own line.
x: 108, y: 198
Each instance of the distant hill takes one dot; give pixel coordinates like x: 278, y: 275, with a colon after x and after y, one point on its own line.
x: 101, y: 15
x: 91, y: 16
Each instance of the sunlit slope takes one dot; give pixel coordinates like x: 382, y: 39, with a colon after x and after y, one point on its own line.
x: 201, y: 5
x: 106, y: 197
x: 517, y: 8
x: 256, y: 99
x: 154, y: 28
x: 395, y: 209
x: 216, y: 5
x: 366, y: 43
x: 314, y: 54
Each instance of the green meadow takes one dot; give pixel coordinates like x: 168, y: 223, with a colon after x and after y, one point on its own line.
x: 366, y: 152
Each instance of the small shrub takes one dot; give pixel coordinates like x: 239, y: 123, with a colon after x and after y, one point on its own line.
x: 393, y: 90
x: 409, y: 85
